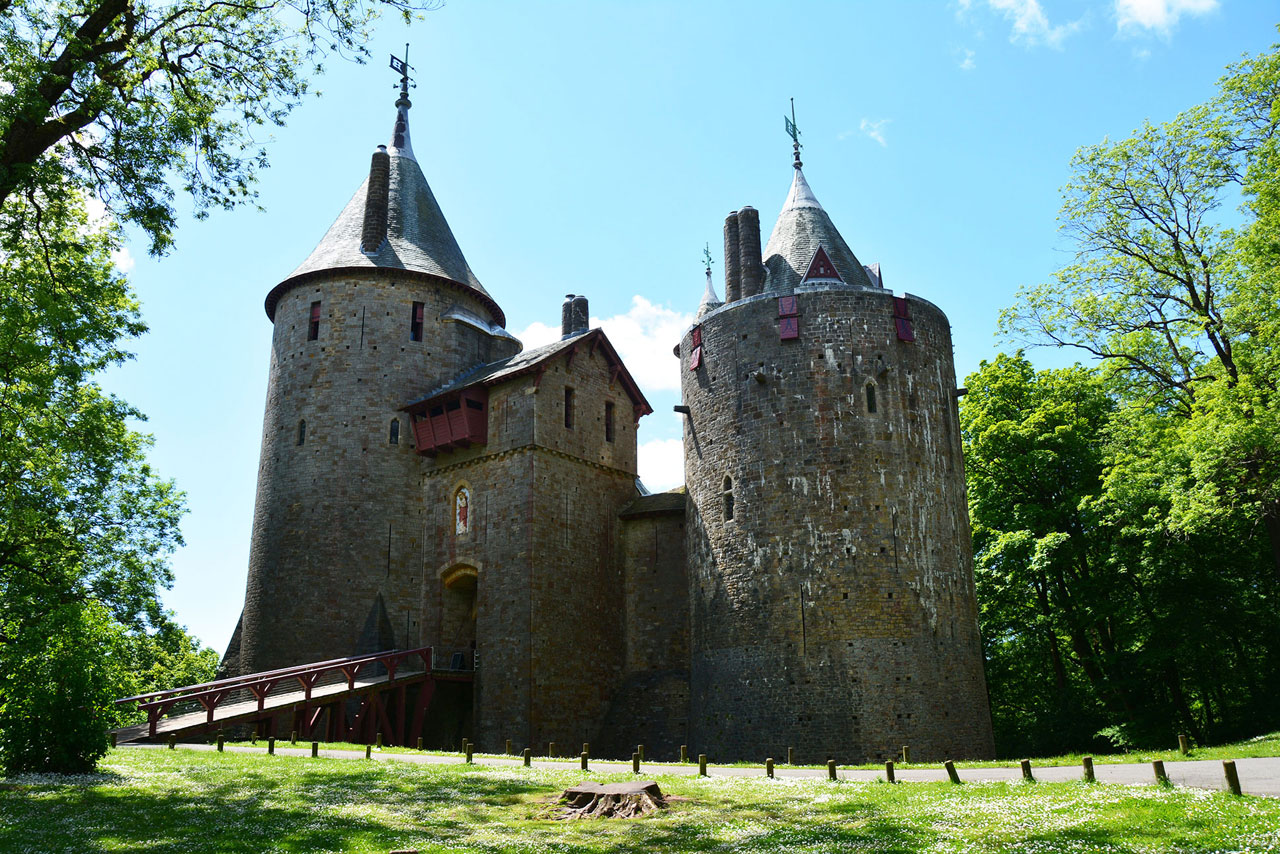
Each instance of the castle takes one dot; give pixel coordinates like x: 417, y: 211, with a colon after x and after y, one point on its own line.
x: 426, y: 481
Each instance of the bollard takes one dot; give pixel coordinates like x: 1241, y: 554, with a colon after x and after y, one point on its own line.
x: 219, y: 741
x: 831, y: 769
x: 113, y: 739
x: 586, y: 747
x: 635, y: 763
x: 888, y: 771
x: 1158, y: 768
x: 506, y: 750
x: 1026, y: 770
x: 1087, y: 764
x: 702, y: 764
x: 1233, y: 779
x: 470, y: 749
x: 551, y: 748
x: 684, y: 753
x: 271, y: 746
x: 640, y: 750
x: 528, y: 757
x: 173, y: 741
x: 585, y: 757
x: 293, y: 737
x: 951, y: 771
x: 379, y: 741
x: 368, y: 751
x: 315, y: 749
x: 906, y: 754
x: 768, y: 767
x: 791, y: 756
x: 420, y: 742
x: 1184, y: 744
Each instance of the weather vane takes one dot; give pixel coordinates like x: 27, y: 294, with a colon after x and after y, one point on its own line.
x: 401, y: 67
x: 794, y: 132
x: 706, y: 257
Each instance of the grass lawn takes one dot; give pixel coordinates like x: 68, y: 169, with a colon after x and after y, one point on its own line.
x: 193, y: 802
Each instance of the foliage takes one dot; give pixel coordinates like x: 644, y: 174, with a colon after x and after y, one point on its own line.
x: 162, y: 801
x: 1177, y: 299
x: 1105, y: 625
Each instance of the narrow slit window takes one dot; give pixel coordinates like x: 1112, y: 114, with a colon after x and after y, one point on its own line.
x: 313, y: 325
x: 302, y: 431
x: 871, y: 398
x: 568, y: 409
x: 728, y: 498
x: 394, y: 437
x: 608, y: 422
x: 415, y: 322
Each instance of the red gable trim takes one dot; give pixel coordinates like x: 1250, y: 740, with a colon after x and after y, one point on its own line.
x: 821, y: 268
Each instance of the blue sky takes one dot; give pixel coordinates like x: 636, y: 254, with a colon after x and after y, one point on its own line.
x: 595, y: 147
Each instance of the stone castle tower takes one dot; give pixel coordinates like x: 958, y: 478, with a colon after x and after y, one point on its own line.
x: 426, y: 481
x: 830, y: 563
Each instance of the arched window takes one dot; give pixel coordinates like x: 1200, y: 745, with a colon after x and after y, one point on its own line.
x: 871, y: 397
x: 302, y: 431
x: 728, y: 498
x: 462, y: 511
x: 395, y: 431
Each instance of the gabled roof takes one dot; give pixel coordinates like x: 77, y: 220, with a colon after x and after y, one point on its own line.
x: 418, y: 238
x: 658, y: 504
x: 802, y: 228
x: 531, y: 361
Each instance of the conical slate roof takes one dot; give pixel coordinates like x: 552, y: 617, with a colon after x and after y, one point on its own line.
x: 710, y: 299
x: 801, y: 228
x: 418, y: 238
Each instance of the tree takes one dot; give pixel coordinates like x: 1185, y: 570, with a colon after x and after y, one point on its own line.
x: 1178, y: 306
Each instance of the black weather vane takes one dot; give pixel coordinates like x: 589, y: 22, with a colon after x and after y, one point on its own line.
x: 793, y: 132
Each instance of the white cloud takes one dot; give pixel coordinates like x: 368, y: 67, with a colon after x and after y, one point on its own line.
x: 1141, y: 53
x: 967, y: 64
x: 661, y: 464
x: 643, y: 338
x: 875, y: 129
x: 1031, y: 25
x: 1160, y: 16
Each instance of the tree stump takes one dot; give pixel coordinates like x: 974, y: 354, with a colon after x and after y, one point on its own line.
x: 612, y: 800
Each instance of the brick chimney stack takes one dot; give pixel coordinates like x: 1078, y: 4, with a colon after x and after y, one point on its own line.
x: 374, y: 230
x: 732, y: 261
x: 752, y: 268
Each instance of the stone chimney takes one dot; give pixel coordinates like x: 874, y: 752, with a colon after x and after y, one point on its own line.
x: 752, y: 267
x: 374, y: 230
x: 732, y: 262
x: 581, y: 319
x: 566, y: 316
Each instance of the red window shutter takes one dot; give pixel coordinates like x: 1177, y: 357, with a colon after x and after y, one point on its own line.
x: 417, y: 311
x: 696, y: 359
x: 788, y: 328
x: 900, y: 308
x: 787, y: 307
x: 905, y: 332
x: 697, y: 337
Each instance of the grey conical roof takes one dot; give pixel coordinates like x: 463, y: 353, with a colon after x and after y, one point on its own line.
x: 710, y: 299
x: 418, y: 236
x: 801, y: 228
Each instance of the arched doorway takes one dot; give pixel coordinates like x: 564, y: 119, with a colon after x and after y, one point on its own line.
x: 458, y: 609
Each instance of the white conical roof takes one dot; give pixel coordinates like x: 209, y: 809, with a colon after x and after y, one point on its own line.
x: 710, y: 301
x: 802, y: 227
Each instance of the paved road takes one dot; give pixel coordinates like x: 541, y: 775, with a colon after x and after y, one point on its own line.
x: 1257, y: 776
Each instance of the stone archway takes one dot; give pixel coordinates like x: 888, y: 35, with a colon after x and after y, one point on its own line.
x: 458, y: 601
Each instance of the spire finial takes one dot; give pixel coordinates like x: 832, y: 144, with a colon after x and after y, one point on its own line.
x: 706, y: 258
x: 400, y: 134
x: 794, y: 133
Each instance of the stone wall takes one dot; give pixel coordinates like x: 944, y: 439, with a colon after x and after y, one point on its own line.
x: 835, y: 611
x: 337, y: 549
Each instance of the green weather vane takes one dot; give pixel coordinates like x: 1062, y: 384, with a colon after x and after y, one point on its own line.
x: 706, y: 257
x: 793, y: 132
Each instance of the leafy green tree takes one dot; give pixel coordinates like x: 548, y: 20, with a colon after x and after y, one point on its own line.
x: 1177, y: 301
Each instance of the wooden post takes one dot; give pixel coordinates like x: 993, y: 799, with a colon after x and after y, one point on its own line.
x: 368, y: 751
x: 271, y: 746
x: 1233, y: 779
x: 791, y: 756
x: 470, y: 750
x: 635, y: 763
x: 379, y: 739
x: 585, y: 757
x: 586, y: 747
x: 768, y: 767
x: 173, y: 740
x: 113, y: 739
x: 951, y: 771
x: 506, y: 750
x: 831, y: 769
x: 702, y: 764
x: 888, y: 771
x: 640, y: 750
x: 1158, y: 768
x: 906, y: 754
x: 528, y: 757
x: 551, y: 748
x: 684, y: 753
x: 219, y: 741
x: 293, y: 737
x: 420, y: 744
x: 315, y: 749
x: 1087, y: 764
x: 1184, y: 744
x: 1026, y: 770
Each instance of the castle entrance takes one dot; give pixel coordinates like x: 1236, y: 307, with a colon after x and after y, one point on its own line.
x: 458, y: 609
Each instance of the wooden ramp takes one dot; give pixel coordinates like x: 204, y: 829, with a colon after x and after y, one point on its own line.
x: 376, y: 686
